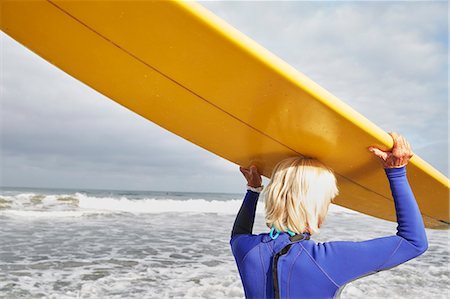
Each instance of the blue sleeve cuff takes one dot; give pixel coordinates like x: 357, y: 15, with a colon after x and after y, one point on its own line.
x: 253, y: 192
x: 395, y: 172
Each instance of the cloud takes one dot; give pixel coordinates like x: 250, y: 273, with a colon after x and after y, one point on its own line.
x: 387, y: 60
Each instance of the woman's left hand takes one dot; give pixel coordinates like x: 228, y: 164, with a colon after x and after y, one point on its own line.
x: 252, y: 175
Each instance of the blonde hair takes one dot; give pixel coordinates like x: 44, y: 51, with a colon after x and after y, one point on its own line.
x: 299, y: 194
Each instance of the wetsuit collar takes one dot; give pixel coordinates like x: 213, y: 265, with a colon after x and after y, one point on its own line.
x: 284, y: 236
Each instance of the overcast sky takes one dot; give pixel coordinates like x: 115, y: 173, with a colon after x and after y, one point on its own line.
x: 57, y: 132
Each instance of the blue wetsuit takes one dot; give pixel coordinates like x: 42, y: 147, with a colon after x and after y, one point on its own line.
x: 282, y: 268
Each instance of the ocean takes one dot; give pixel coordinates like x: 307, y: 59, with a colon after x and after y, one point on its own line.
x: 57, y: 243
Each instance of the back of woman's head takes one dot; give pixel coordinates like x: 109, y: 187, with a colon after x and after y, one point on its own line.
x: 299, y: 194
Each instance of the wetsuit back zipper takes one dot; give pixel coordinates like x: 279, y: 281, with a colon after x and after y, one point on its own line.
x: 275, y: 270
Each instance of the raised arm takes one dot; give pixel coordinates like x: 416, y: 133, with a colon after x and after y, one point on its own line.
x: 246, y: 215
x: 345, y: 261
x: 410, y: 224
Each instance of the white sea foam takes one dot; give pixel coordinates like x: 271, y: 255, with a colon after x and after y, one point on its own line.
x: 159, y: 205
x: 79, y: 205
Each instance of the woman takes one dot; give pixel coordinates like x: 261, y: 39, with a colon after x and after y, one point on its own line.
x: 286, y: 263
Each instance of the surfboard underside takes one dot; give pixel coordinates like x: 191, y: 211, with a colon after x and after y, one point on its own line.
x: 181, y: 67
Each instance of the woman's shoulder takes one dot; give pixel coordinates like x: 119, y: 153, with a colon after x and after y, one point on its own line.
x: 248, y: 238
x: 241, y: 244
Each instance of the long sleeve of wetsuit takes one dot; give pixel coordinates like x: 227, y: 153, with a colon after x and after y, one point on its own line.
x: 246, y: 215
x: 344, y: 261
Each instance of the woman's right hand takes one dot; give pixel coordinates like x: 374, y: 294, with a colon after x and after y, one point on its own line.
x: 398, y: 156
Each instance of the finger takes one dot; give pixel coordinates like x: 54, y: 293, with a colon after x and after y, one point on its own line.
x: 403, y: 142
x: 407, y: 148
x: 399, y: 148
x: 408, y: 145
x: 410, y: 149
x: 394, y: 135
x: 379, y: 153
x: 404, y: 149
x: 244, y: 171
x: 253, y: 169
x: 395, y: 138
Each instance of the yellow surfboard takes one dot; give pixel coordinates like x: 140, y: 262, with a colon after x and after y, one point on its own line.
x: 185, y: 69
